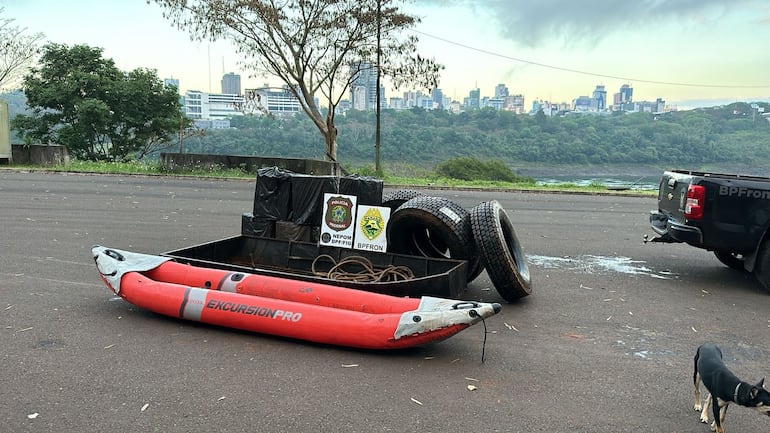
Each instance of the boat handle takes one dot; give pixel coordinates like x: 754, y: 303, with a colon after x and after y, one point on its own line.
x: 465, y: 305
x: 115, y: 255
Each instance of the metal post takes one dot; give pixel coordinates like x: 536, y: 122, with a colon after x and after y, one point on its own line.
x: 377, y: 99
x: 181, y: 130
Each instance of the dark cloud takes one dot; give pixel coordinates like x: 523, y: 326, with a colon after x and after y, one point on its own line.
x: 533, y: 22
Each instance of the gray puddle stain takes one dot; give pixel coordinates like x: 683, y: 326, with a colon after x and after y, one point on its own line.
x: 636, y: 343
x: 590, y: 264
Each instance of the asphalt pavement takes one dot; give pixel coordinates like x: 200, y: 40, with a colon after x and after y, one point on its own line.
x: 604, y: 343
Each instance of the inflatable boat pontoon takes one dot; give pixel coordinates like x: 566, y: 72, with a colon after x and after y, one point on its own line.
x: 298, y: 309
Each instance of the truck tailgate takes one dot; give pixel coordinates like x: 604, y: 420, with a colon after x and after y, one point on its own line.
x: 672, y: 193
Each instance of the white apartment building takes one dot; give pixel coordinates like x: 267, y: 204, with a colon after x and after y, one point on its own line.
x: 278, y: 101
x: 212, y: 106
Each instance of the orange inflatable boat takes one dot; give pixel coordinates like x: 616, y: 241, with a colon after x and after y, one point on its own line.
x: 278, y: 306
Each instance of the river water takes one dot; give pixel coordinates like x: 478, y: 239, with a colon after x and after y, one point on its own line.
x: 643, y: 183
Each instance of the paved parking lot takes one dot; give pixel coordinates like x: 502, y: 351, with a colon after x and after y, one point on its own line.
x: 604, y: 343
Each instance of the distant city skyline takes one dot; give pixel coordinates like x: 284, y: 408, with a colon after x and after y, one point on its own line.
x: 688, y: 53
x: 362, y: 96
x: 230, y: 83
x: 214, y: 109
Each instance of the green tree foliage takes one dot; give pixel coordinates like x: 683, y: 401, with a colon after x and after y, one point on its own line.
x: 82, y: 101
x: 316, y: 47
x: 730, y: 134
x: 467, y: 168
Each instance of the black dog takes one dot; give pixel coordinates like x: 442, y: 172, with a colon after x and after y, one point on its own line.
x: 724, y: 387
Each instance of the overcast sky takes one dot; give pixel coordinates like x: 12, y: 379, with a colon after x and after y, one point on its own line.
x: 688, y: 52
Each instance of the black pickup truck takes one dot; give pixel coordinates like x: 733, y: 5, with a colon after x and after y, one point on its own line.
x: 728, y: 214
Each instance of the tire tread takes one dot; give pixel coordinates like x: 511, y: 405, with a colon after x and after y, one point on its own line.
x: 500, y: 250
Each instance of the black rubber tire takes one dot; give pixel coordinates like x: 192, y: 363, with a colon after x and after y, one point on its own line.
x: 500, y: 250
x: 423, y: 225
x: 396, y: 198
x: 731, y: 260
x: 762, y: 265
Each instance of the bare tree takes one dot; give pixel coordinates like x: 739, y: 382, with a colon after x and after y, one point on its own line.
x: 316, y: 47
x: 17, y: 51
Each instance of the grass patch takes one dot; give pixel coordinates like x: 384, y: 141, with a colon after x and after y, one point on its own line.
x: 403, y: 177
x: 137, y: 167
x: 145, y: 168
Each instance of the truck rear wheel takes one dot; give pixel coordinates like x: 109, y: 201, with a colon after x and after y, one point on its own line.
x: 762, y: 265
x: 732, y: 260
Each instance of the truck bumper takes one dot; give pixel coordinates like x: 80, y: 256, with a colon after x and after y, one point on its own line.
x: 672, y: 231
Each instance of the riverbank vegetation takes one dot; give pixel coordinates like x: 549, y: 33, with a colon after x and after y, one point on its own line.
x: 419, y: 177
x: 732, y: 134
x: 707, y: 138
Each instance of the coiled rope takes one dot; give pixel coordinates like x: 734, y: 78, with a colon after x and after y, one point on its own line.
x: 360, y: 269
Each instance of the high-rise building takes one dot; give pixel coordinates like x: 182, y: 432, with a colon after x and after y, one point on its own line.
x: 492, y: 102
x: 660, y: 105
x: 231, y: 84
x: 626, y: 94
x: 501, y: 91
x: 514, y: 103
x: 413, y: 99
x: 383, y: 101
x: 397, y: 103
x: 599, y: 101
x: 624, y: 99
x: 582, y: 103
x: 168, y: 82
x: 363, y: 87
x: 438, y: 98
x: 474, y: 99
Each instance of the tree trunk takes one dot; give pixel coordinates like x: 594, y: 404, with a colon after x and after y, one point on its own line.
x: 330, y: 138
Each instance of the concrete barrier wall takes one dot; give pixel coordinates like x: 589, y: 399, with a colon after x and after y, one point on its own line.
x: 39, y: 154
x: 248, y: 163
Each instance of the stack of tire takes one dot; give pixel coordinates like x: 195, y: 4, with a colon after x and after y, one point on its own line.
x: 483, y: 236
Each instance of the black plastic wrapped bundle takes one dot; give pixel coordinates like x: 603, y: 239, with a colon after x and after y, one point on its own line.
x: 367, y: 189
x: 257, y: 227
x: 307, y: 197
x: 272, y: 195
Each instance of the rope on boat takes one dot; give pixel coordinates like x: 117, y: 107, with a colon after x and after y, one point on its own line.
x: 360, y: 269
x: 484, y: 344
x: 474, y: 313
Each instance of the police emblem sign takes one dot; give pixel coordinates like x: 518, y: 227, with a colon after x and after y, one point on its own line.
x: 371, y: 228
x: 337, y: 227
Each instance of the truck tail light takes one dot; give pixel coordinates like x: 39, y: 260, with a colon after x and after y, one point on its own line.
x: 696, y: 199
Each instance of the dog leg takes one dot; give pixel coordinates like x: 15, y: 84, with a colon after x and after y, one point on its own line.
x: 722, y: 414
x: 704, y: 413
x: 719, y: 407
x: 696, y: 381
x: 697, y: 405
